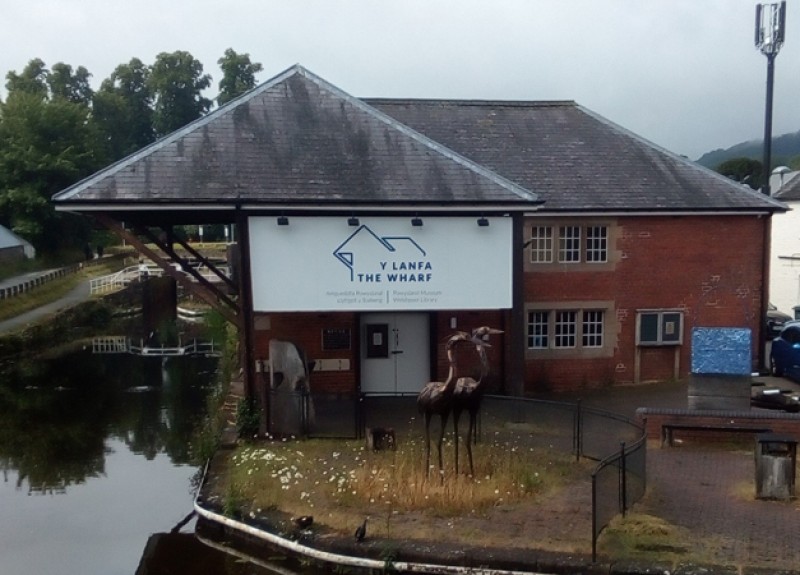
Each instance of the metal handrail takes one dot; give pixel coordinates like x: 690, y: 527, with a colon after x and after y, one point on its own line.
x: 122, y: 278
x: 122, y: 344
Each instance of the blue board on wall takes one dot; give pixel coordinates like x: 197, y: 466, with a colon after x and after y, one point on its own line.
x: 722, y: 350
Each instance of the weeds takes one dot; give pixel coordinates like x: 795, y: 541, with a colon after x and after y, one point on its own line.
x: 233, y: 502
x: 248, y: 418
x: 343, y: 481
x: 638, y: 536
x: 206, y: 436
x: 389, y: 556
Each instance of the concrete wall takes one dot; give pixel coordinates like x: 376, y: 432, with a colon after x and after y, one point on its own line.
x: 784, y: 276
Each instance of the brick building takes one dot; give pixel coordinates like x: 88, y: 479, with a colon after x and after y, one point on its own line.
x: 370, y: 229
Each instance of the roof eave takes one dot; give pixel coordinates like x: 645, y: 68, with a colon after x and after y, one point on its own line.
x: 336, y: 206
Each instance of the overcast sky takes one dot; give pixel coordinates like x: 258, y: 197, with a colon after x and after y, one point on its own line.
x: 684, y: 74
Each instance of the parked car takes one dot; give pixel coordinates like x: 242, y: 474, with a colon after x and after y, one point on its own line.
x: 775, y: 319
x: 784, y: 355
x: 775, y: 398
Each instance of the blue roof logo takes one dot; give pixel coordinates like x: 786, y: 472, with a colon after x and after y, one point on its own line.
x: 374, y: 259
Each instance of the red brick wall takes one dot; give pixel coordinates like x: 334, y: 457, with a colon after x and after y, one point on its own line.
x: 780, y: 423
x: 305, y: 331
x: 709, y: 266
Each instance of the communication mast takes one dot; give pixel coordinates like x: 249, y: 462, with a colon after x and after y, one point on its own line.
x: 770, y: 29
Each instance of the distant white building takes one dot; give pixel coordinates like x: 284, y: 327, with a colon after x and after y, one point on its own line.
x: 784, y: 275
x: 13, y: 247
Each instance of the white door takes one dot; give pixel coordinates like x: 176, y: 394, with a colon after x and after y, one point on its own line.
x: 395, y: 352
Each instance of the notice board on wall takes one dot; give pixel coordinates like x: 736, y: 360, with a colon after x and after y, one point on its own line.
x: 336, y: 339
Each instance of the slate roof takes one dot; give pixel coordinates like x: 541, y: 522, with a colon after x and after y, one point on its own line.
x: 790, y: 190
x: 9, y: 239
x: 296, y: 139
x: 575, y: 159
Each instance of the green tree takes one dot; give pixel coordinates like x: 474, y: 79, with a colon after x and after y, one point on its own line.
x: 33, y: 79
x: 177, y: 81
x: 60, y: 82
x: 238, y: 75
x: 744, y: 170
x: 73, y: 87
x: 122, y: 110
x: 47, y: 142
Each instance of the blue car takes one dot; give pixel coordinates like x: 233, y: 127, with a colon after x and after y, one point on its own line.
x: 775, y: 320
x: 784, y: 356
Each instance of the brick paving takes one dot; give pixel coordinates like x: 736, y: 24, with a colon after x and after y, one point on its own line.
x: 711, y: 492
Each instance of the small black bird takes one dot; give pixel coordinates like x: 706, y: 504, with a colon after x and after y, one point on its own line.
x: 304, y: 521
x: 361, y: 531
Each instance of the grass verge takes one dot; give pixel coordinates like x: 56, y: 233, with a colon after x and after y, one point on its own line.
x: 339, y: 482
x: 640, y: 537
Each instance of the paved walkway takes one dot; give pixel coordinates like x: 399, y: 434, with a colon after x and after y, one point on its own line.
x: 708, y: 490
x: 712, y: 494
x: 79, y: 294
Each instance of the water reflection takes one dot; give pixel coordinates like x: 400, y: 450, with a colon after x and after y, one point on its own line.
x: 94, y: 453
x: 56, y: 414
x: 169, y: 553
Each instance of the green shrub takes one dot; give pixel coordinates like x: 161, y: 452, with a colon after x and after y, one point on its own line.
x: 248, y: 418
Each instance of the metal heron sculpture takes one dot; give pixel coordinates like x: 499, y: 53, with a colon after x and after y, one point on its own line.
x: 468, y: 392
x: 437, y: 398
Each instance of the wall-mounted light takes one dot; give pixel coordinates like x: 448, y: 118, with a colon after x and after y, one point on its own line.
x: 283, y: 220
x: 416, y: 221
x: 483, y: 222
x: 352, y: 221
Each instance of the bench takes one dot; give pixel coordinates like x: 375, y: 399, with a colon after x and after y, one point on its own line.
x: 668, y: 428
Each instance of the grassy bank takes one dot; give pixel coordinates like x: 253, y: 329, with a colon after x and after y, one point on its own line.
x: 340, y: 482
x: 55, y: 289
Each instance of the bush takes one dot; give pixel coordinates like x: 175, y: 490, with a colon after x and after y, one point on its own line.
x: 248, y: 418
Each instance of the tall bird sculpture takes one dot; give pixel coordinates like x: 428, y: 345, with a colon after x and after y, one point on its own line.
x: 437, y: 398
x: 469, y: 392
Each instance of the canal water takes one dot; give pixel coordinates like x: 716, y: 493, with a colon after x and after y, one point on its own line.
x: 96, y: 467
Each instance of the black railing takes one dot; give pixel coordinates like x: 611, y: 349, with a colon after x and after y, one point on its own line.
x: 618, y: 482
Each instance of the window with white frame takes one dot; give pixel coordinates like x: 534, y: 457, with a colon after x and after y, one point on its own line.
x: 541, y: 244
x: 538, y: 329
x: 569, y: 244
x: 592, y: 328
x: 596, y: 244
x: 566, y: 329
x: 564, y: 334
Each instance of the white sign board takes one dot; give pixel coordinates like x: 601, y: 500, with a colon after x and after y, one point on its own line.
x: 324, y: 264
